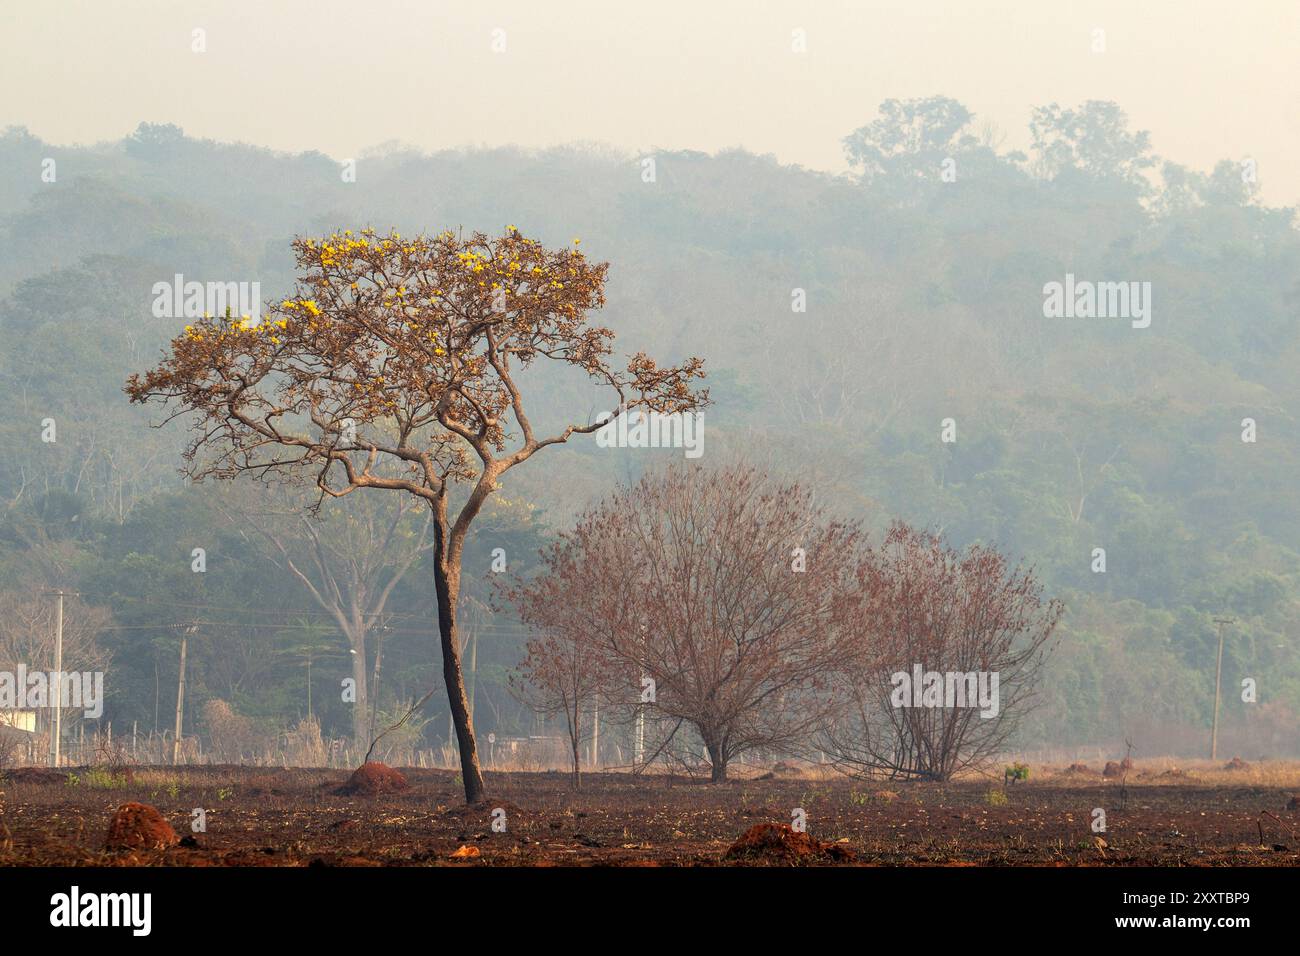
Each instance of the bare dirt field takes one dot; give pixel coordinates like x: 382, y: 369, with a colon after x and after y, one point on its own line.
x: 257, y: 816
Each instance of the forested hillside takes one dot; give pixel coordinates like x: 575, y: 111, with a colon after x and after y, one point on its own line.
x: 844, y: 321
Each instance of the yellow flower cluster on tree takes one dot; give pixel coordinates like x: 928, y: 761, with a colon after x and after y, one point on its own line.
x: 415, y: 332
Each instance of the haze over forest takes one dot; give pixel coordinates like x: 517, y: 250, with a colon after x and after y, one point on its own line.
x: 923, y: 273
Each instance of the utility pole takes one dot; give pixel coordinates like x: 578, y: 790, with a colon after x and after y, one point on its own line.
x: 640, y: 707
x: 640, y: 730
x: 1218, y: 675
x: 180, y: 696
x: 58, y: 690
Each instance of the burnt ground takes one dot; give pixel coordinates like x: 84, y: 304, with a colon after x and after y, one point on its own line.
x: 293, y: 817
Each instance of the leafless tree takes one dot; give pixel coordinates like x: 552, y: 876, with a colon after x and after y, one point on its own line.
x: 27, y: 624
x: 349, y: 557
x: 935, y: 611
x: 714, y: 599
x: 27, y: 633
x: 559, y: 676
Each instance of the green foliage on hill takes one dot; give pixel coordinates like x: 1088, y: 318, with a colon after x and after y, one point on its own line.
x: 924, y: 302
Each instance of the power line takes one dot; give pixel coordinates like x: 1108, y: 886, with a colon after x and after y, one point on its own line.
x: 399, y: 615
x: 497, y: 630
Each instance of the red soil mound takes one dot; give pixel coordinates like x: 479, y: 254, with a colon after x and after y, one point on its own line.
x: 138, y: 826
x: 780, y: 843
x: 373, y: 778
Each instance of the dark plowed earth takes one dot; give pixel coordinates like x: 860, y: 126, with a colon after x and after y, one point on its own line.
x: 266, y: 817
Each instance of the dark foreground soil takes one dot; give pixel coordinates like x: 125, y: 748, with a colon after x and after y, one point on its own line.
x: 298, y: 817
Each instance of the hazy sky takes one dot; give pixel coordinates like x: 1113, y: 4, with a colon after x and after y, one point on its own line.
x: 1209, y: 79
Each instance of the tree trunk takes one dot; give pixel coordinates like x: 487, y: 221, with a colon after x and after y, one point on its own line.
x: 719, y: 762
x: 360, y: 708
x: 576, y: 740
x: 447, y: 585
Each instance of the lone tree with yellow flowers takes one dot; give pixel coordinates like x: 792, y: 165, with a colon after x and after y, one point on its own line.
x: 394, y: 365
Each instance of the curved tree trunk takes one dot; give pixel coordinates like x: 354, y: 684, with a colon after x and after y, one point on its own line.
x: 447, y: 584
